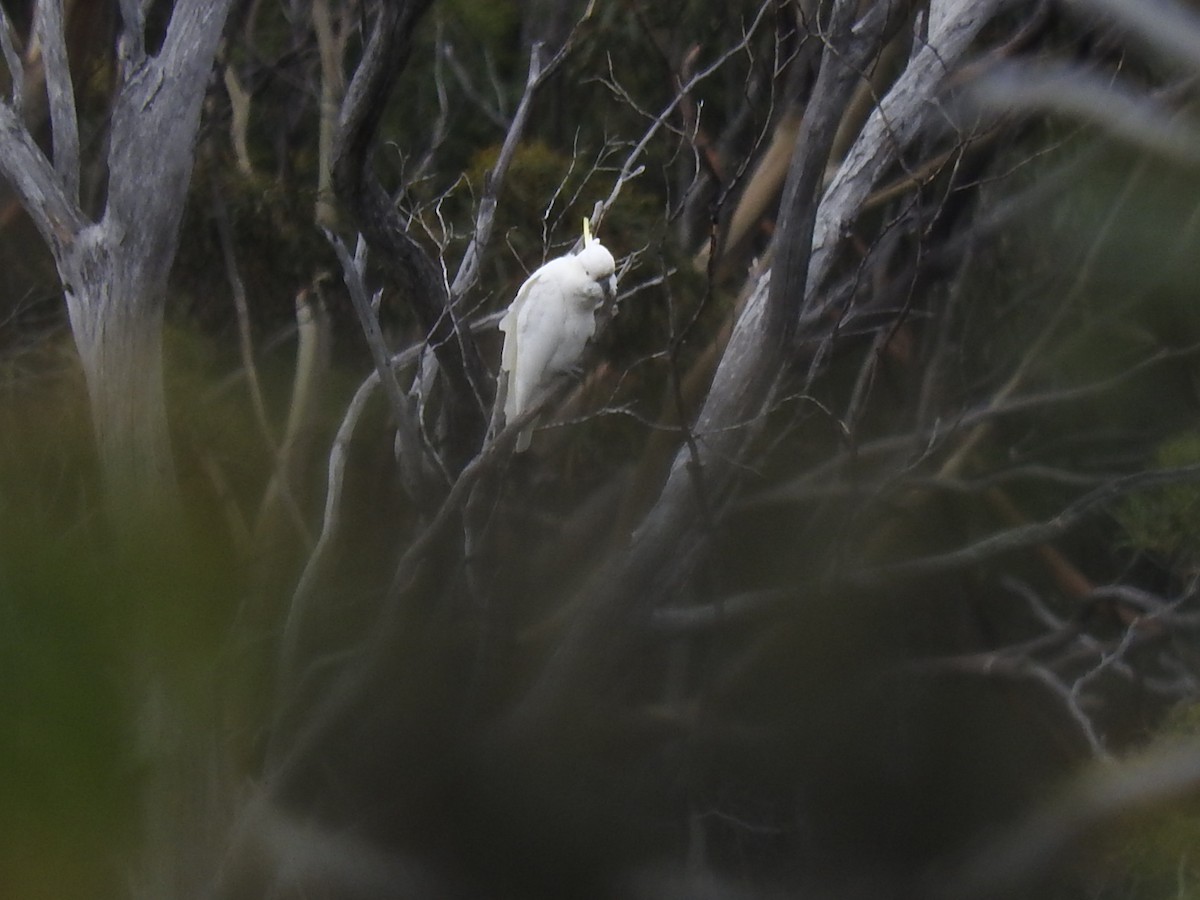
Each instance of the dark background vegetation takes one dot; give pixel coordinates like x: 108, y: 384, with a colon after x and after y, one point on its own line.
x: 926, y: 625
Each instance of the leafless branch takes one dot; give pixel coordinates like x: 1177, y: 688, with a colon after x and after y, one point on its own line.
x: 410, y: 449
x: 907, y: 108
x: 303, y: 596
x: 12, y: 61
x: 49, y: 28
x: 22, y: 164
x: 468, y: 269
x: 133, y: 35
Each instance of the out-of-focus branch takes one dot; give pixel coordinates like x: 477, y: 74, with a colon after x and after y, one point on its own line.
x: 285, y: 750
x: 1018, y: 860
x: 331, y: 47
x: 311, y: 336
x: 302, y: 596
x: 312, y: 345
x: 936, y: 437
x: 239, y: 124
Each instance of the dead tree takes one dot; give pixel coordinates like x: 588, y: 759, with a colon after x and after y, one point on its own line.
x: 114, y: 266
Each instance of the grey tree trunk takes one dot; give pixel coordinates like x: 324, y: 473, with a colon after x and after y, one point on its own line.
x: 114, y: 271
x: 114, y: 275
x: 116, y: 319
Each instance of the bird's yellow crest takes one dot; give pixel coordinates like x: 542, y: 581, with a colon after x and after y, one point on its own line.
x: 587, y: 231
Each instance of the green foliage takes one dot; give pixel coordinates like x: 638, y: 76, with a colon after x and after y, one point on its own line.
x: 490, y: 23
x: 1158, y: 856
x: 1166, y: 520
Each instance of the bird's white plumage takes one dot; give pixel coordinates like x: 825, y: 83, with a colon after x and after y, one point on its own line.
x: 549, y: 323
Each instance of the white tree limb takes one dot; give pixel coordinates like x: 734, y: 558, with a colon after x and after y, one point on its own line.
x: 902, y: 114
x: 22, y: 163
x: 12, y: 60
x: 64, y: 126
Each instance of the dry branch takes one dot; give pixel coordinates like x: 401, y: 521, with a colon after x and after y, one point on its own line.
x: 49, y: 29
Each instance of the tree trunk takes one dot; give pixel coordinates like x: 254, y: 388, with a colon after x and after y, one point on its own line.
x: 116, y: 318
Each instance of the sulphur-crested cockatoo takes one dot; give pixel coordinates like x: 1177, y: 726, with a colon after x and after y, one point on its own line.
x: 550, y: 321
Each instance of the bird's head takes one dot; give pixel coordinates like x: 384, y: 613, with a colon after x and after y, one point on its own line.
x: 597, y: 262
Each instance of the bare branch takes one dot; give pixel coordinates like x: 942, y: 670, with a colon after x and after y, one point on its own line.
x: 239, y: 119
x: 312, y: 344
x: 468, y: 269
x: 158, y: 107
x: 57, y: 217
x: 494, y: 114
x: 12, y: 60
x: 302, y: 596
x: 539, y: 71
x: 331, y: 47
x: 665, y: 549
x: 132, y: 48
x: 242, y: 308
x: 378, y: 645
x: 907, y: 109
x: 49, y: 28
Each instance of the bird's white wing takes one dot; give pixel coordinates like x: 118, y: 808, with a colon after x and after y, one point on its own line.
x: 510, y: 354
x: 541, y: 327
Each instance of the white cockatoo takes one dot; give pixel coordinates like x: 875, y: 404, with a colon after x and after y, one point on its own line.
x: 550, y: 321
